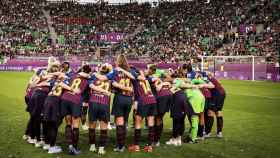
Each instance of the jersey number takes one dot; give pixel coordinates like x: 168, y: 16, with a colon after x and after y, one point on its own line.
x: 146, y: 86
x: 57, y: 91
x: 104, y: 85
x: 76, y: 84
x: 125, y: 82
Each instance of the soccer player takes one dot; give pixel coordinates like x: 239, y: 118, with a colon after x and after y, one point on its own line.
x: 85, y: 101
x: 51, y: 111
x: 180, y: 108
x: 99, y: 110
x: 71, y: 108
x: 122, y: 102
x: 205, y: 85
x: 197, y: 101
x: 215, y: 107
x: 85, y: 96
x: 66, y: 69
x: 146, y: 107
x: 85, y: 105
x: 28, y: 93
x: 161, y: 90
x: 38, y: 97
x: 190, y: 72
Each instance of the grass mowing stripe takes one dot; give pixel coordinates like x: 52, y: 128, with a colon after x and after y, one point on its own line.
x: 254, y: 95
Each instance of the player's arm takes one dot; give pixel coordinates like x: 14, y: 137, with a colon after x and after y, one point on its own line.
x: 63, y: 76
x: 34, y: 80
x: 176, y: 84
x: 101, y: 77
x: 99, y: 89
x: 85, y: 75
x: 120, y: 86
x: 55, y: 73
x: 168, y: 77
x: 109, y: 76
x: 128, y: 74
x: 58, y: 74
x: 174, y: 89
x: 166, y: 84
x: 43, y: 84
x: 184, y: 85
x: 159, y: 86
x: 46, y: 77
x: 155, y: 80
x: 35, y: 70
x: 65, y: 86
x: 207, y: 85
x: 141, y: 77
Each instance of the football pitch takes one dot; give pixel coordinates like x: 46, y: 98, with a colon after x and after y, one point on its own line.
x: 251, y: 125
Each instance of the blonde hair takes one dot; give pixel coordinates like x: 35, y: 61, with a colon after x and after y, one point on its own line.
x: 52, y: 61
x: 122, y: 62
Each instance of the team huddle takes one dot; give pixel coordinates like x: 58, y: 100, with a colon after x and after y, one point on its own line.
x: 57, y: 93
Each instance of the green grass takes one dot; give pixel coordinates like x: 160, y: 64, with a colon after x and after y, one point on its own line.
x: 251, y: 127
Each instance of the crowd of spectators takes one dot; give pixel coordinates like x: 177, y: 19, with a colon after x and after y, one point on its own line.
x: 196, y: 28
x: 22, y: 25
x: 170, y: 31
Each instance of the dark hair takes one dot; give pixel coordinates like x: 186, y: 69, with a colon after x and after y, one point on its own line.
x: 153, y: 68
x: 80, y: 70
x: 86, y: 69
x: 181, y: 72
x: 63, y: 66
x: 66, y: 62
x: 189, y: 68
x: 135, y: 69
x: 185, y: 66
x: 175, y: 74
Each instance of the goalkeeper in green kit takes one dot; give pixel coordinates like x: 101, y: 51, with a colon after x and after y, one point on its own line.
x: 197, y: 101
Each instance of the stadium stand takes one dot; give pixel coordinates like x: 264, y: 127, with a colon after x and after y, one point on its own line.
x: 169, y: 31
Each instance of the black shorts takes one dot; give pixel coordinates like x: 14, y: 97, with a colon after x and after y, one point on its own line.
x: 99, y: 112
x: 121, y: 106
x: 207, y: 102
x: 189, y: 109
x: 146, y: 110
x: 180, y: 106
x: 163, y: 104
x: 86, y: 96
x: 52, y: 109
x: 27, y: 102
x: 216, y: 103
x: 70, y: 108
x: 36, y: 103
